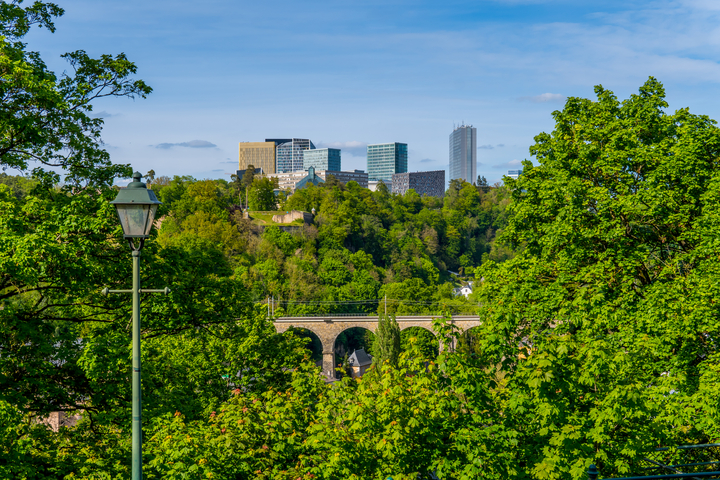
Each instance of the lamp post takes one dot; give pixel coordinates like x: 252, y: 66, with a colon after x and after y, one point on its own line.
x: 136, y: 206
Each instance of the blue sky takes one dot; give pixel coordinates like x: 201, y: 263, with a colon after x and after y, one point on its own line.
x: 346, y: 73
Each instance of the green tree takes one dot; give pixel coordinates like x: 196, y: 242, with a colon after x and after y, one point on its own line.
x: 49, y: 116
x: 262, y: 194
x: 386, y: 347
x: 248, y: 177
x: 420, y: 340
x: 601, y: 324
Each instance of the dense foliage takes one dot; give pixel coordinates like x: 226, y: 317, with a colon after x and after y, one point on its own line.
x: 598, y: 339
x: 361, y: 247
x: 597, y: 343
x: 614, y: 298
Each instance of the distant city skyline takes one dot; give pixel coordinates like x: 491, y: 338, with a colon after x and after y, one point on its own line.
x: 225, y: 72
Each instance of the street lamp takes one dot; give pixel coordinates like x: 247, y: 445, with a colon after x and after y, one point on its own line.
x: 136, y: 206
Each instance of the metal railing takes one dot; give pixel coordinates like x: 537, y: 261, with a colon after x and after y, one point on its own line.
x: 685, y: 461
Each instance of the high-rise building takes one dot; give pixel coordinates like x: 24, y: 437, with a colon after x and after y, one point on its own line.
x: 258, y: 154
x: 463, y: 153
x: 290, y: 154
x: 322, y: 159
x: 424, y: 183
x: 384, y: 159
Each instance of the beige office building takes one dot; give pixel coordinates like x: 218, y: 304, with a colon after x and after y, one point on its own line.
x: 258, y: 154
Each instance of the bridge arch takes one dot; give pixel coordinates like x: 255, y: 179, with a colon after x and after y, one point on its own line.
x: 425, y: 337
x: 327, y: 328
x: 314, y: 344
x: 351, y: 339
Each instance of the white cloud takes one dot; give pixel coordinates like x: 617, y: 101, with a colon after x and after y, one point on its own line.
x: 190, y: 144
x: 545, y: 97
x: 702, y: 4
x: 353, y: 147
x: 515, y: 163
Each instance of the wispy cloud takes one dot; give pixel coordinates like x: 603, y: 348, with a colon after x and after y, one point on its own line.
x: 426, y: 160
x: 190, y: 144
x: 103, y: 114
x: 485, y: 147
x: 544, y: 97
x: 354, y: 148
x: 515, y: 163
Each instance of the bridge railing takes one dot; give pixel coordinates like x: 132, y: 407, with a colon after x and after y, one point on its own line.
x: 368, y: 307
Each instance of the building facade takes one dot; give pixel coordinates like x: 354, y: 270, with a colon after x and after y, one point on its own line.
x: 290, y: 155
x: 358, y: 176
x: 424, y: 183
x: 289, y: 180
x: 514, y: 173
x: 385, y: 159
x: 322, y: 159
x: 463, y: 153
x: 258, y: 154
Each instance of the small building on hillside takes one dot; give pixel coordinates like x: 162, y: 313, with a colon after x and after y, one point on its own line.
x: 359, y: 362
x: 465, y: 291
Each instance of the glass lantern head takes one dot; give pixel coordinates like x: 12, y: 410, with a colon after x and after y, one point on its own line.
x: 136, y: 206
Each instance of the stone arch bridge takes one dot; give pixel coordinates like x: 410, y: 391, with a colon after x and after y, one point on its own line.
x: 328, y: 328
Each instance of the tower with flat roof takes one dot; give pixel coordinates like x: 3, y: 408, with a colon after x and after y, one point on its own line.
x: 463, y: 153
x: 290, y: 154
x: 258, y: 154
x: 322, y: 159
x: 385, y: 159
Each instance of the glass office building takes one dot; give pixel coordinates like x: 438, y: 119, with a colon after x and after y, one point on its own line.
x: 463, y: 153
x: 322, y: 159
x: 290, y: 154
x: 385, y: 159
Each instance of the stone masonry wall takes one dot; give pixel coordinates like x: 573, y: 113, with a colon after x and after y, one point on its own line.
x: 293, y: 215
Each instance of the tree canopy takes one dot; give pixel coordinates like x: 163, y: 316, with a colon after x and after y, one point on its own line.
x: 604, y: 323
x: 595, y: 281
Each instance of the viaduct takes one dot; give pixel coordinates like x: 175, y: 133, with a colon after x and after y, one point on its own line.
x: 328, y: 328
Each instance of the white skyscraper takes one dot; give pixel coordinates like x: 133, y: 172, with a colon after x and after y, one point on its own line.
x: 463, y: 153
